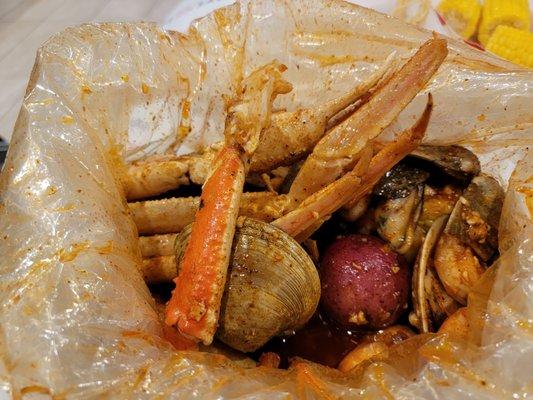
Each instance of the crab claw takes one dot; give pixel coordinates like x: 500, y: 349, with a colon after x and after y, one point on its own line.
x: 292, y: 135
x: 354, y: 185
x: 339, y: 150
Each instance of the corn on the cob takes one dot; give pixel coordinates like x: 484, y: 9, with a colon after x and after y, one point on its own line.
x: 461, y: 15
x: 513, y: 13
x: 512, y: 44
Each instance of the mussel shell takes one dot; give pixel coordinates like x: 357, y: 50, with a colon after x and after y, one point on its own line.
x: 431, y: 303
x: 400, y: 181
x: 272, y: 287
x: 456, y: 161
x: 476, y: 216
x: 289, y: 178
x: 397, y: 221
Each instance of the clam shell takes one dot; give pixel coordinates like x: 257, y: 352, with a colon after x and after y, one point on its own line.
x: 431, y: 303
x: 273, y: 286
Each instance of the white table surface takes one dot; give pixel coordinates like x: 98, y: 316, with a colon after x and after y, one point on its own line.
x: 25, y: 24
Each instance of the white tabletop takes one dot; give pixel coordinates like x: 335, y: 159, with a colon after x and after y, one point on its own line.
x: 25, y: 24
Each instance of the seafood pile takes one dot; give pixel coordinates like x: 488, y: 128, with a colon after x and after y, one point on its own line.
x: 252, y: 257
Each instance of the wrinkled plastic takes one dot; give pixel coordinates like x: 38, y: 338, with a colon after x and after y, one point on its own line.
x: 76, y: 318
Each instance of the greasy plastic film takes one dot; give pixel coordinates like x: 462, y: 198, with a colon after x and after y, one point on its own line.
x: 76, y: 318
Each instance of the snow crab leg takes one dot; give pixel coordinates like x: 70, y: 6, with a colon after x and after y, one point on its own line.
x: 159, y: 269
x: 339, y: 150
x: 157, y: 245
x: 173, y: 214
x: 195, y: 303
x: 151, y: 178
x: 299, y: 131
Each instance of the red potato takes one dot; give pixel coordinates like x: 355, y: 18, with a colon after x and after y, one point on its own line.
x: 365, y: 284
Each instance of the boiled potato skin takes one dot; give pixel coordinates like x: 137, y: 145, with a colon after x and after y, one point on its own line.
x: 365, y: 284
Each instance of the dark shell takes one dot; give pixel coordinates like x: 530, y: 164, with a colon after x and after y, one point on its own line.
x: 456, y: 161
x: 400, y: 181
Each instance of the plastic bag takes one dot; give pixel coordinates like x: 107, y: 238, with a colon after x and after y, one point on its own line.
x: 76, y: 318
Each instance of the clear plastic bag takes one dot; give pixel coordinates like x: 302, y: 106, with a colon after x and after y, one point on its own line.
x: 76, y: 318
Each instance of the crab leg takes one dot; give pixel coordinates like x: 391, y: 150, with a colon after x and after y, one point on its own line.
x: 159, y: 269
x: 195, y: 303
x: 149, y: 179
x: 289, y: 137
x: 157, y: 245
x: 338, y: 151
x: 354, y: 185
x: 172, y: 215
x: 292, y: 135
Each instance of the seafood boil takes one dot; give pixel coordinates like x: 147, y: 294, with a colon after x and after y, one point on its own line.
x: 321, y: 300
x: 249, y: 254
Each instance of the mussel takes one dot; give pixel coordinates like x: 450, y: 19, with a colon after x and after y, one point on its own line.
x: 470, y: 237
x: 400, y: 181
x: 273, y: 287
x: 452, y: 232
x: 476, y: 216
x: 397, y: 222
x: 408, y: 204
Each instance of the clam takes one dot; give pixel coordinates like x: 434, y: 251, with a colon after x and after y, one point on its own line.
x: 272, y: 287
x: 431, y: 302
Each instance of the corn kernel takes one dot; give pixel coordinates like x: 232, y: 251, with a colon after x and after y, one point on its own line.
x: 514, y: 13
x: 512, y: 44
